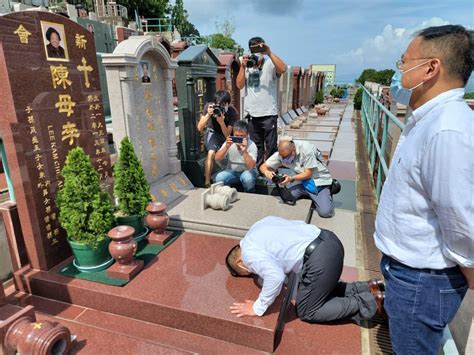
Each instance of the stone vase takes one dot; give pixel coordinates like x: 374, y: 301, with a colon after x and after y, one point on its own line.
x: 123, y: 249
x: 27, y: 336
x: 231, y: 192
x: 157, y: 219
x: 217, y: 201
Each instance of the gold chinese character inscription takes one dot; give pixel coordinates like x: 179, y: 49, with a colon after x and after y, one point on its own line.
x: 65, y: 104
x: 86, y: 69
x: 70, y: 132
x: 59, y: 76
x: 80, y: 41
x: 23, y: 34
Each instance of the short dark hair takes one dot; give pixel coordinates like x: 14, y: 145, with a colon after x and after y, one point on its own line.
x: 222, y: 97
x: 50, y: 31
x: 255, y: 40
x: 231, y: 259
x: 454, y: 45
x: 241, y: 125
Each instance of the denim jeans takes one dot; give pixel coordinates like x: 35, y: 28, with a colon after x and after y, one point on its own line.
x: 246, y: 178
x: 420, y: 303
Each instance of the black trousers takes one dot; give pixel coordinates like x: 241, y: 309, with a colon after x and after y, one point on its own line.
x: 321, y: 296
x: 263, y: 131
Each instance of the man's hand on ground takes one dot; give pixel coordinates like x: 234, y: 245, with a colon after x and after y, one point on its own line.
x: 243, y: 309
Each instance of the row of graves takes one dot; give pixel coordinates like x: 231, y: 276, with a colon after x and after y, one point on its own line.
x: 167, y: 275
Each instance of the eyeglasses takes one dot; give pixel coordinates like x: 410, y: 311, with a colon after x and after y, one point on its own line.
x: 400, y: 62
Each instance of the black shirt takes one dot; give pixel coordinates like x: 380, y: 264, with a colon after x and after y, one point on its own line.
x: 229, y: 119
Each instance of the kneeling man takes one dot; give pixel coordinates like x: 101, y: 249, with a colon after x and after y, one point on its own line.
x: 275, y: 246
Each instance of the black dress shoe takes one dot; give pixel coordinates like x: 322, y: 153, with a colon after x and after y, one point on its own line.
x: 379, y: 299
x: 376, y: 285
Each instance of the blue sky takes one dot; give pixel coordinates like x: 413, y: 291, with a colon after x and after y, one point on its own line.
x: 352, y: 34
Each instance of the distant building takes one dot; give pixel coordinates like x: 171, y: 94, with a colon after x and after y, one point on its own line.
x: 329, y: 70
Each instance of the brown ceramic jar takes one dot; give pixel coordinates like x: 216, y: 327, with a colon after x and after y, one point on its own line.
x: 25, y: 336
x: 157, y: 219
x: 122, y: 247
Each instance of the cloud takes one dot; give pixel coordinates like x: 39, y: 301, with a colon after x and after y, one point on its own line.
x: 382, y: 50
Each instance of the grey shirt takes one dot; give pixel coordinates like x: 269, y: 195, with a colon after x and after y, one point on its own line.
x: 306, y: 158
x: 261, y: 90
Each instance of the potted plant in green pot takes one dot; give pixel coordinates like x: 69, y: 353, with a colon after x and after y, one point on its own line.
x: 85, y: 212
x: 131, y: 190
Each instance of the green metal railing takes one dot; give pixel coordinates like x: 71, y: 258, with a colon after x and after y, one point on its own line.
x: 160, y: 24
x: 375, y: 122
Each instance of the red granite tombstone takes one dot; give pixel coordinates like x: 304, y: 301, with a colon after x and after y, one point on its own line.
x: 51, y: 102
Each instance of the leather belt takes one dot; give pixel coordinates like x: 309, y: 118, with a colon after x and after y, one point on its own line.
x: 313, y: 245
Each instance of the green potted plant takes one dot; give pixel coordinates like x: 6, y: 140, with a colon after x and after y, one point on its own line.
x: 85, y: 212
x: 131, y: 189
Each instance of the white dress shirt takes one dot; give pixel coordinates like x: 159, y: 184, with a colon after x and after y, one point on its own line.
x: 425, y: 218
x: 272, y: 248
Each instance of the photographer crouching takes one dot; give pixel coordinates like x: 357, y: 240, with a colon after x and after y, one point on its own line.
x: 310, y: 172
x: 242, y: 153
x: 217, y: 120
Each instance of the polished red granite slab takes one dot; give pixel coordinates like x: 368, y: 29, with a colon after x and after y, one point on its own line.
x: 188, y: 287
x: 94, y: 341
x: 308, y: 339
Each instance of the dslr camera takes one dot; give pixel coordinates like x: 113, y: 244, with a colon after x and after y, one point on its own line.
x: 218, y: 110
x: 253, y: 60
x: 278, y: 178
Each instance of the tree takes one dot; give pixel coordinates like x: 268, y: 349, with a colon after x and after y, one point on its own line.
x: 225, y: 26
x: 223, y: 37
x: 130, y: 185
x: 381, y: 77
x: 179, y: 19
x: 85, y: 212
x: 367, y: 75
x: 319, y: 97
x: 358, y: 99
x: 146, y: 8
x: 469, y: 95
x: 384, y: 77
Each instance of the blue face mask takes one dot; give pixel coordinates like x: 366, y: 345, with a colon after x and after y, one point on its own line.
x: 288, y: 160
x: 397, y: 91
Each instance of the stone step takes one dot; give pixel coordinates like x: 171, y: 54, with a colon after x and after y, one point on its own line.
x: 186, y: 213
x: 89, y: 325
x: 187, y: 288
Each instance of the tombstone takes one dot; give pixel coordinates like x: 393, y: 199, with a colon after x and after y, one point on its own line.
x: 196, y: 84
x: 139, y: 77
x: 304, y: 88
x: 289, y: 88
x: 296, y: 87
x: 227, y: 76
x: 51, y: 103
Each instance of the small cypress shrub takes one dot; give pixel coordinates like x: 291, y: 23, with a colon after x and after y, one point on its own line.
x: 130, y: 185
x: 85, y: 211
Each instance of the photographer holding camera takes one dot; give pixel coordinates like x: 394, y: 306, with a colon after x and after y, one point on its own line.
x: 314, y: 179
x: 242, y: 153
x: 258, y: 76
x: 217, y: 120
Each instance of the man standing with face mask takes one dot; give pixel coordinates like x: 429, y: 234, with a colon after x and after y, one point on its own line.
x: 425, y: 219
x: 260, y: 105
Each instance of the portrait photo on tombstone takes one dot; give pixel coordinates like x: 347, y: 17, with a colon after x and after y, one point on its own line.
x: 54, y: 39
x: 90, y: 28
x: 144, y: 66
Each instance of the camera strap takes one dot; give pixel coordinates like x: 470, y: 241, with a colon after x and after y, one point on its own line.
x: 285, y: 195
